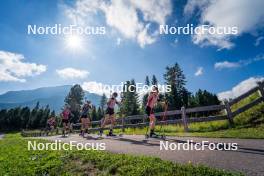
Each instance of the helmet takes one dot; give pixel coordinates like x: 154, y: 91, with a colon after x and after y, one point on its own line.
x: 88, y: 102
x: 155, y: 89
x: 115, y: 94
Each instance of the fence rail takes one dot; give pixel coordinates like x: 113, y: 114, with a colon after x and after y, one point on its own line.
x: 125, y: 122
x: 185, y: 120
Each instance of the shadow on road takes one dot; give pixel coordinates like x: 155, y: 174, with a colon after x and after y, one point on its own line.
x: 153, y: 142
x: 250, y: 150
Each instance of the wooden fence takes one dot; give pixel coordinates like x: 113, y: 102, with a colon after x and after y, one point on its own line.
x: 225, y: 108
x: 125, y: 122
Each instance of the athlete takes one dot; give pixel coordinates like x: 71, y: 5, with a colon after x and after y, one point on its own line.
x: 110, y: 114
x: 85, y: 118
x: 51, y: 123
x: 65, y: 119
x: 152, y: 100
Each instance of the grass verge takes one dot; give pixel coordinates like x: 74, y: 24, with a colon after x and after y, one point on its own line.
x: 16, y: 159
x: 255, y: 132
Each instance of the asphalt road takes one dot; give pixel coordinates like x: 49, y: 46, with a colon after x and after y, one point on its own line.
x: 248, y: 158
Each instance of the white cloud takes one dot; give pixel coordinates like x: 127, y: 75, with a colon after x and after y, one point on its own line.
x: 153, y: 10
x: 98, y: 88
x: 118, y: 41
x: 193, y: 5
x: 241, y: 88
x: 240, y: 63
x: 144, y: 38
x: 72, y: 73
x: 175, y: 42
x: 221, y: 41
x: 124, y: 16
x: 12, y: 67
x: 258, y: 40
x: 247, y: 15
x: 199, y: 71
x: 226, y: 64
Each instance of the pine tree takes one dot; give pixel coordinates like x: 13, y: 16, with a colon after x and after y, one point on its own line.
x: 130, y: 103
x: 103, y: 103
x: 145, y: 96
x: 154, y: 80
x: 53, y: 114
x: 134, y: 99
x: 74, y: 101
x: 25, y: 117
x: 45, y: 116
x: 33, y: 117
x: 100, y: 114
x: 94, y: 114
x: 37, y: 122
x: 3, y: 119
x: 203, y: 98
x: 147, y: 81
x: 178, y: 96
x: 144, y: 100
x: 16, y: 118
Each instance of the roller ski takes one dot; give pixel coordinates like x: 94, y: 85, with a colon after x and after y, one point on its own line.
x: 65, y: 134
x: 111, y: 134
x: 82, y: 134
x: 100, y: 134
x: 154, y: 135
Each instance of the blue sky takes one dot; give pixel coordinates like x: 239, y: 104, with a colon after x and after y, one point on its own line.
x: 125, y: 51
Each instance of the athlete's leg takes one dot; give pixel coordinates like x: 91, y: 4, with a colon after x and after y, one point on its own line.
x: 67, y: 127
x: 64, y: 128
x: 87, y: 122
x: 104, y: 121
x: 112, y: 118
x: 112, y: 121
x: 82, y: 126
x: 152, y: 123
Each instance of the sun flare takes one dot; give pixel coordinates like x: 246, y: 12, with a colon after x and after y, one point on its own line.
x: 74, y: 42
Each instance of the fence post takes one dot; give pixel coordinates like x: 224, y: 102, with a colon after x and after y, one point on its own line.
x: 123, y: 124
x: 261, y: 89
x: 184, y: 120
x: 229, y: 113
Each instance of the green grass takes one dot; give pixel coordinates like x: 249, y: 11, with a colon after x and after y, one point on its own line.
x: 15, y: 159
x: 242, y: 133
x: 237, y: 132
x: 245, y: 101
x: 193, y: 127
x: 249, y: 124
x: 251, y: 117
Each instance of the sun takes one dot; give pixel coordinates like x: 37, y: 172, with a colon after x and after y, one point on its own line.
x: 74, y: 42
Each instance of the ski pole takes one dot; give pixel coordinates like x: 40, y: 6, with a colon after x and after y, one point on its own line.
x: 164, y: 116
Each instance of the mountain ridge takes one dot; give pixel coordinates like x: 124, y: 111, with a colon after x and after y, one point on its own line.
x: 52, y: 96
